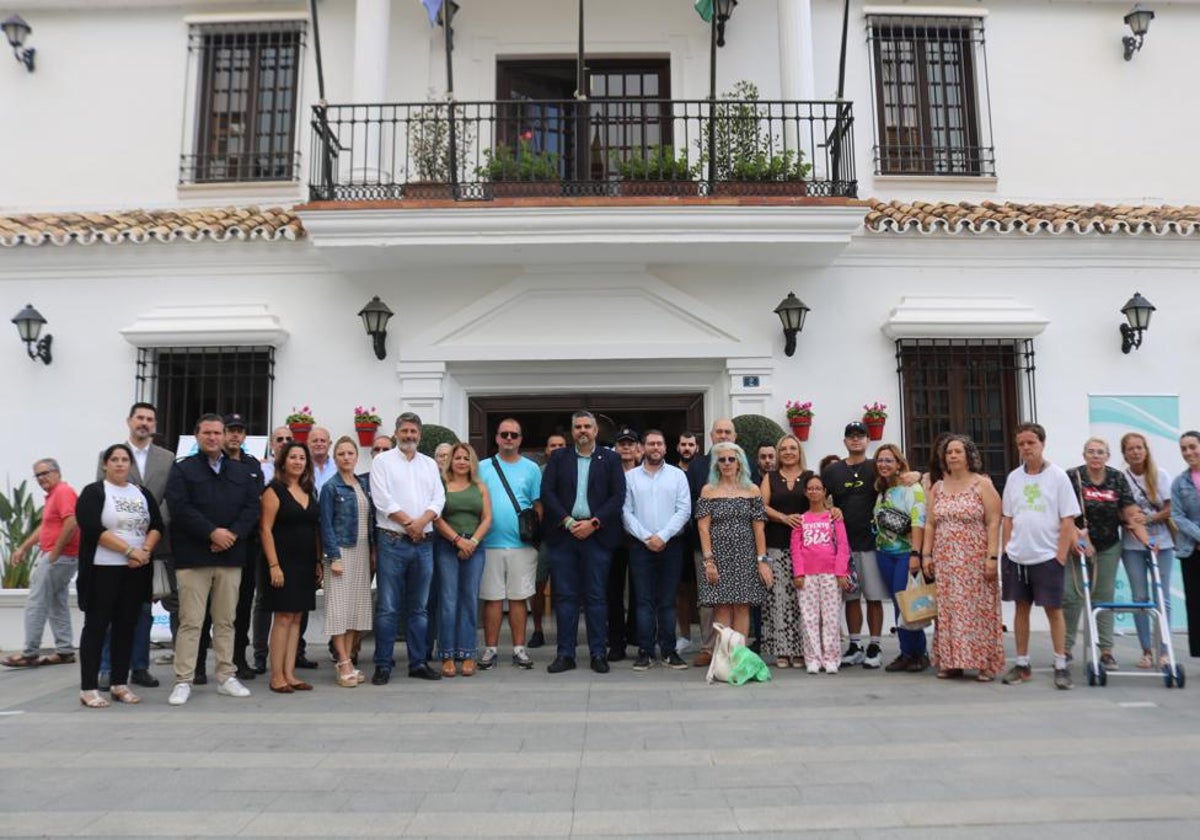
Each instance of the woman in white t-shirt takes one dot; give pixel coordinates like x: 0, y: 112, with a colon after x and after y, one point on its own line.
x: 119, y: 525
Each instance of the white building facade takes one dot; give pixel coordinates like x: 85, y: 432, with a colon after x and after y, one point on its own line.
x: 995, y: 183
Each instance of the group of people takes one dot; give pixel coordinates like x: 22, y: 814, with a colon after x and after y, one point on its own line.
x: 795, y: 549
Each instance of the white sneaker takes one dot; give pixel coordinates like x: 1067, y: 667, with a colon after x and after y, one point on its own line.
x: 233, y: 687
x: 814, y: 667
x: 682, y: 645
x: 180, y: 694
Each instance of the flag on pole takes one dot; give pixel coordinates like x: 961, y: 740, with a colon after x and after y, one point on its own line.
x: 435, y: 6
x: 704, y: 8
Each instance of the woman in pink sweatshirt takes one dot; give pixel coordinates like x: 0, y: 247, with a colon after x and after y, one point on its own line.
x: 820, y: 569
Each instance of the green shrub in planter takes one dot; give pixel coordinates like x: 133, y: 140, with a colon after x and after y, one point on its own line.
x: 432, y: 435
x: 755, y: 429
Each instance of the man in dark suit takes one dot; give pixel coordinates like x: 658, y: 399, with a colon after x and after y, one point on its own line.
x: 583, y: 492
x: 214, y: 503
x: 150, y: 468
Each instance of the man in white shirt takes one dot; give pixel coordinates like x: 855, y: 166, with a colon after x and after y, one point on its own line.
x: 408, y: 495
x: 658, y: 504
x: 1038, y: 531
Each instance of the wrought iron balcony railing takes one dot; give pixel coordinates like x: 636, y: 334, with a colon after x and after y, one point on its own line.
x: 476, y: 151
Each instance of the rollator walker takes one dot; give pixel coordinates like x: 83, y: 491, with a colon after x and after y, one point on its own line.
x: 1172, y: 671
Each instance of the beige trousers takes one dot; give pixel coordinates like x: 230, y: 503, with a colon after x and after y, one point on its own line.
x: 195, y: 588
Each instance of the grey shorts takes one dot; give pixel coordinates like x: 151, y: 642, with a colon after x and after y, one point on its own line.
x: 870, y: 580
x: 1039, y: 583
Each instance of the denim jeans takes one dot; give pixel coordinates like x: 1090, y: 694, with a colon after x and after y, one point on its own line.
x: 48, y: 600
x: 1137, y: 569
x: 893, y: 567
x: 457, y: 600
x: 139, y: 659
x: 579, y: 569
x: 655, y: 584
x: 402, y: 579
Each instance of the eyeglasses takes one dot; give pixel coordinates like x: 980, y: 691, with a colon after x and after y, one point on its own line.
x: 728, y: 459
x: 44, y: 473
x: 284, y: 439
x: 508, y: 435
x: 885, y: 460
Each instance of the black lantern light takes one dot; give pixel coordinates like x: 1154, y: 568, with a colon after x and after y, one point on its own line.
x: 375, y: 316
x: 29, y: 325
x: 1137, y: 311
x: 15, y: 30
x: 722, y: 9
x: 791, y: 311
x: 445, y: 16
x: 1138, y: 21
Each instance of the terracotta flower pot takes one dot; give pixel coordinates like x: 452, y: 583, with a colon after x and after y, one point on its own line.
x: 874, y: 427
x: 300, y: 431
x: 801, y: 426
x: 366, y: 433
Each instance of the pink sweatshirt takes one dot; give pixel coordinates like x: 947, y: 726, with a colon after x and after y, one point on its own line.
x: 820, y: 547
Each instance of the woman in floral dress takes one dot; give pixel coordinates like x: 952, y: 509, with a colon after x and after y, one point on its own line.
x: 960, y: 548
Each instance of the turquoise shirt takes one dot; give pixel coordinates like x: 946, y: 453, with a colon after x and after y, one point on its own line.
x: 584, y: 465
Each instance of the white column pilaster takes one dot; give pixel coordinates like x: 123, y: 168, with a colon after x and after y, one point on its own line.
x: 421, y: 389
x: 751, y: 385
x: 796, y: 67
x: 372, y: 32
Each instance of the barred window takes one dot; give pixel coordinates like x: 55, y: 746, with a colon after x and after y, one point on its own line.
x: 185, y: 382
x: 247, y: 86
x: 931, y: 96
x: 978, y: 387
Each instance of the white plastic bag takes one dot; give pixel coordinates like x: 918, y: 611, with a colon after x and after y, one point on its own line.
x: 722, y: 658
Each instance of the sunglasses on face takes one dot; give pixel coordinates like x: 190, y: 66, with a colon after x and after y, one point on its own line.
x: 508, y: 435
x: 376, y: 450
x: 284, y: 439
x: 43, y: 473
x: 728, y: 459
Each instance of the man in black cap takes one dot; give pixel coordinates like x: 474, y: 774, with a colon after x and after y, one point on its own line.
x: 621, y: 618
x: 851, y: 482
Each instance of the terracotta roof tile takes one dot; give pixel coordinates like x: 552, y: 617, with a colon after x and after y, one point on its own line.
x: 929, y: 217
x: 138, y: 226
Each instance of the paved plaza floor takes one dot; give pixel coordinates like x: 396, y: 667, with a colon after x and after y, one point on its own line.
x: 512, y: 753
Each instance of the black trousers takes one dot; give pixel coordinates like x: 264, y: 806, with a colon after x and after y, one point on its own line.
x: 116, y: 598
x: 622, y: 628
x: 1190, y: 567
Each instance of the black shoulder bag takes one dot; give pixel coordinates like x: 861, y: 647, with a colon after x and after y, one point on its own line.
x: 528, y: 524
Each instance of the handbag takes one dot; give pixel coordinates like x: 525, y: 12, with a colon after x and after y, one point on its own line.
x: 722, y: 656
x: 918, y: 603
x: 891, y: 523
x: 160, y: 587
x: 529, y: 527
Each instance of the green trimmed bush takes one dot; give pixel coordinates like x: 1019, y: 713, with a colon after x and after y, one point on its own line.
x: 755, y: 429
x: 432, y: 435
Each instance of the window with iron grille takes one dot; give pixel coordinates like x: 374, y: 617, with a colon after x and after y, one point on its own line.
x: 246, y: 95
x: 932, y: 110
x: 978, y: 387
x: 185, y: 382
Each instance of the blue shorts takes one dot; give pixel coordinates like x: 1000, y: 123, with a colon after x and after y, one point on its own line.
x: 1039, y: 583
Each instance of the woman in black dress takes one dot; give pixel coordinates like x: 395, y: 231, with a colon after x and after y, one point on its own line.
x: 289, y: 527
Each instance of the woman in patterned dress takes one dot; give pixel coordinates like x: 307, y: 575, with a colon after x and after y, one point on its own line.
x: 349, y: 545
x: 784, y: 500
x: 730, y: 519
x: 960, y: 547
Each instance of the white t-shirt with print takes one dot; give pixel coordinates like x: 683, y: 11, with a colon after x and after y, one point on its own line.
x: 126, y: 515
x: 1037, y: 505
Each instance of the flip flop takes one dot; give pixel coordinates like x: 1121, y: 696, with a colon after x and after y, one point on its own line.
x: 17, y: 660
x: 57, y: 659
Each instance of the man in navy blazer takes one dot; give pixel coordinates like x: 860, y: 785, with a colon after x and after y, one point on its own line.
x: 582, y: 527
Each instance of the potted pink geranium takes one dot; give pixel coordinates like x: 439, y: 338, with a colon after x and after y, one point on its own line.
x: 366, y: 423
x: 799, y: 415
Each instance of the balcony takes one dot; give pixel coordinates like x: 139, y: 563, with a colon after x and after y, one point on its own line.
x: 555, y: 181
x: 607, y: 148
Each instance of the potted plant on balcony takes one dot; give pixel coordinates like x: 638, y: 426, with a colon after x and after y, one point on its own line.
x: 799, y: 415
x: 300, y: 421
x: 429, y: 150
x: 874, y: 418
x: 656, y: 170
x: 749, y: 158
x: 366, y: 423
x: 521, y: 171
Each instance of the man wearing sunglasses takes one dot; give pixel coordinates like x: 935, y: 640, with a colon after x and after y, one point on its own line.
x: 509, y: 563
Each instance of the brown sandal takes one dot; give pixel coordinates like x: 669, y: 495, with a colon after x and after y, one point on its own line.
x: 57, y: 659
x: 18, y: 660
x: 122, y: 694
x: 985, y: 677
x: 92, y: 700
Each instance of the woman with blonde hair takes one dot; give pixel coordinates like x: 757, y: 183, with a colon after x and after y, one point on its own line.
x: 730, y: 520
x: 465, y: 520
x: 784, y: 500
x: 1151, y: 488
x: 348, y: 537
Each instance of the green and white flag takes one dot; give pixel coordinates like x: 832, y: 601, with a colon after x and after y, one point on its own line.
x: 704, y: 8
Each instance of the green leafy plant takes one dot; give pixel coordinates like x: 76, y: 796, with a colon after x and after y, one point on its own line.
x: 744, y: 149
x: 432, y: 435
x: 429, y: 141
x: 19, y: 517
x: 755, y: 429
x: 654, y: 163
x: 503, y: 163
x: 364, y: 417
x: 300, y: 415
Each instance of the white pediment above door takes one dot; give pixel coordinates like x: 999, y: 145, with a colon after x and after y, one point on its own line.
x: 573, y: 312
